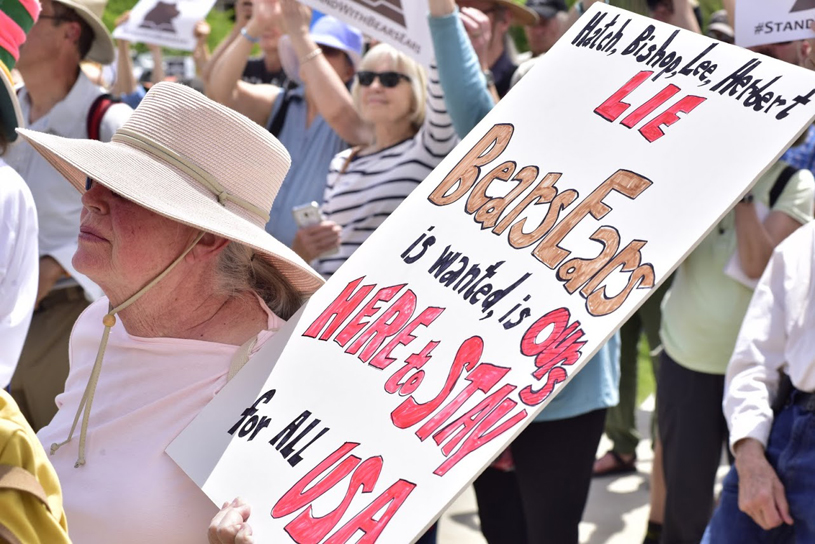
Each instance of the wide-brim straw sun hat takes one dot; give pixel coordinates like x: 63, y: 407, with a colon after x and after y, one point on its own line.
x: 91, y: 11
x: 194, y: 161
x: 326, y: 32
x: 16, y: 19
x: 521, y: 15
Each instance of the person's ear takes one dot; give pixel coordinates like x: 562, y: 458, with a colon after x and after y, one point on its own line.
x: 209, y: 247
x: 348, y: 76
x: 72, y: 31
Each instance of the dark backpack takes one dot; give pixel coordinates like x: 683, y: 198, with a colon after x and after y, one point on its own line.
x: 97, y: 112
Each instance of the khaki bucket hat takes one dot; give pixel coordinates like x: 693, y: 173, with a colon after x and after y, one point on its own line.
x: 91, y: 12
x: 192, y: 160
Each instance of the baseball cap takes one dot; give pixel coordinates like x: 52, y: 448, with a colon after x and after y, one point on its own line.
x: 546, y: 9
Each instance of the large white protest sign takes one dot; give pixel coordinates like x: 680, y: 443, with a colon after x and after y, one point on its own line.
x: 401, y: 23
x: 495, y: 281
x: 167, y: 23
x: 760, y: 22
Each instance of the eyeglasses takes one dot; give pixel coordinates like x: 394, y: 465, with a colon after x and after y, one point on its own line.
x: 386, y: 79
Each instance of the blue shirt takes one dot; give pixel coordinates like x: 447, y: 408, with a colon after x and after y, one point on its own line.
x: 468, y: 101
x: 802, y: 156
x: 134, y: 99
x: 311, y: 151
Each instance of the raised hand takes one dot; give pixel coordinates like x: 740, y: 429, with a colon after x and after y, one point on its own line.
x: 479, y: 29
x: 201, y: 30
x: 243, y: 12
x: 296, y: 16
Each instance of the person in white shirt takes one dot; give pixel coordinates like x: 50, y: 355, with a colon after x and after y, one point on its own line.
x: 18, y: 217
x: 769, y: 495
x: 57, y: 98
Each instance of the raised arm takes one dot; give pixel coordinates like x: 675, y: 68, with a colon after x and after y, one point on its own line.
x: 730, y: 8
x: 157, y: 75
x: 684, y: 17
x: 243, y: 12
x: 225, y: 85
x: 125, y: 82
x: 322, y: 82
x: 460, y: 73
x: 201, y: 54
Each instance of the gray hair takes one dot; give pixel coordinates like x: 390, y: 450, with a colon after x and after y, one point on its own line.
x: 403, y: 64
x: 240, y: 270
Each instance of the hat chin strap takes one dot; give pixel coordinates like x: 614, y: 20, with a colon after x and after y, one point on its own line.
x: 109, y: 321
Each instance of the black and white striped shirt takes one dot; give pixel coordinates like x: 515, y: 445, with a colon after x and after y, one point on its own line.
x: 372, y: 186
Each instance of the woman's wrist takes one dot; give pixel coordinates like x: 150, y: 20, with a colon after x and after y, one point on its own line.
x: 252, y: 31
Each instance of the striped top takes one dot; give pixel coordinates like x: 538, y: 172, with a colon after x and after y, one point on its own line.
x: 372, y: 186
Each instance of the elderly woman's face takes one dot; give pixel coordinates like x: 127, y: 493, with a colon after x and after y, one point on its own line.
x: 387, y: 102
x: 122, y: 246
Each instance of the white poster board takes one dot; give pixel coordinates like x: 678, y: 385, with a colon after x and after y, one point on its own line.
x: 168, y: 23
x: 400, y: 23
x: 494, y: 282
x: 760, y: 22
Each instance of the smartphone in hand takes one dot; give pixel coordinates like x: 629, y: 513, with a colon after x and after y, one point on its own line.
x: 306, y: 215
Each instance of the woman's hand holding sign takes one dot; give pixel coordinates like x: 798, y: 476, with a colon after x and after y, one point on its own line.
x: 229, y: 524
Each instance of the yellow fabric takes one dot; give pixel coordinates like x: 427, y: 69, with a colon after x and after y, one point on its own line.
x: 703, y: 311
x: 31, y: 521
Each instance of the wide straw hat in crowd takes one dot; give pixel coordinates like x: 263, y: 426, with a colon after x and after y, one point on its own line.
x: 102, y: 49
x: 326, y: 32
x: 521, y: 15
x: 16, y: 19
x: 192, y: 160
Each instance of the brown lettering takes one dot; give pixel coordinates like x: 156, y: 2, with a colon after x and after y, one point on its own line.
x: 622, y: 181
x: 461, y: 178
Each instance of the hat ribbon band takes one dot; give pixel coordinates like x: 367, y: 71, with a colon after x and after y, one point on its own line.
x: 181, y: 162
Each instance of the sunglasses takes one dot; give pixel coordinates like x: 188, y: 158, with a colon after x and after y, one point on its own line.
x: 388, y: 80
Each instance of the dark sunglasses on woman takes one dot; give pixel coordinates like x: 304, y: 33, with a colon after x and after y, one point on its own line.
x: 386, y: 79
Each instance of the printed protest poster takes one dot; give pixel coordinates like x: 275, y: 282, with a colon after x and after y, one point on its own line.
x: 401, y: 23
x: 495, y: 281
x: 760, y: 22
x: 165, y: 23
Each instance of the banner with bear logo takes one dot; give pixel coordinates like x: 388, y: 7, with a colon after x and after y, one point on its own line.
x: 495, y: 282
x: 168, y: 23
x: 401, y: 23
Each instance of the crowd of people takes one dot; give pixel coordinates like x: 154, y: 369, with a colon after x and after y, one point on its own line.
x: 148, y: 248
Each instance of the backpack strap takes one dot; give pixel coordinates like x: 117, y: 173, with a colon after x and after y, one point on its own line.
x: 97, y: 112
x: 18, y: 478
x: 780, y: 183
x: 241, y: 357
x: 276, y: 124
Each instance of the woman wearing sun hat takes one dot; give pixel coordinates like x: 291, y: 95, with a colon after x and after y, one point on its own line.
x: 172, y: 230
x: 18, y: 216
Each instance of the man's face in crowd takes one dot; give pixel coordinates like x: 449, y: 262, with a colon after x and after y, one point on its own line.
x: 44, y: 39
x: 794, y: 52
x: 661, y: 10
x: 542, y: 36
